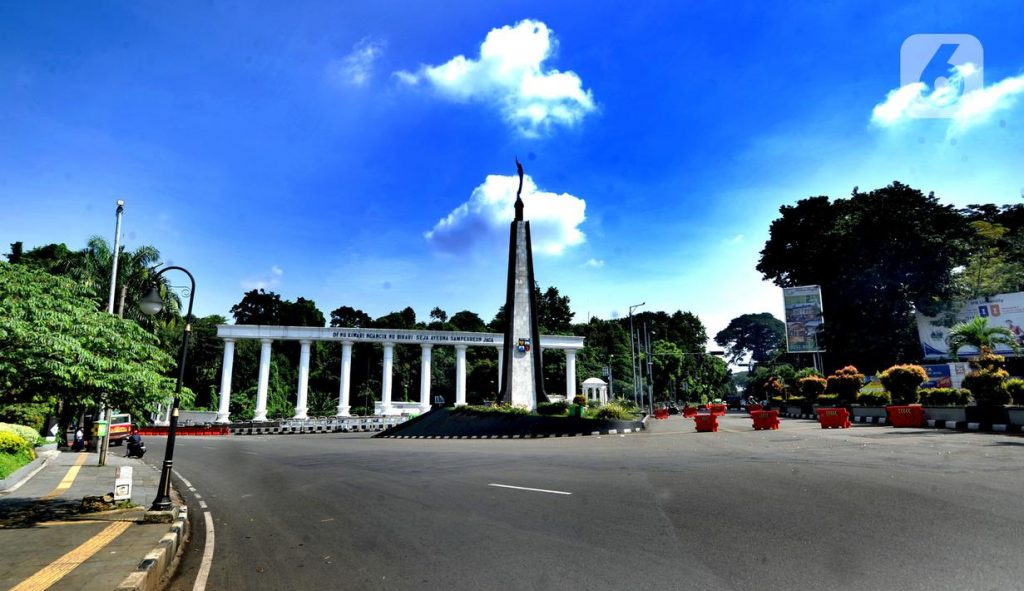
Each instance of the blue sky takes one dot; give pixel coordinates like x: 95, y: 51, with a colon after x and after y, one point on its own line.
x: 347, y: 153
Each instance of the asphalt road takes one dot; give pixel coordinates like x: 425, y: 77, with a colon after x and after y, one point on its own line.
x: 801, y: 508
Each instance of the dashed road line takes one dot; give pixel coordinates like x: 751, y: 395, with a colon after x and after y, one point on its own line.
x: 543, y: 490
x: 56, y: 570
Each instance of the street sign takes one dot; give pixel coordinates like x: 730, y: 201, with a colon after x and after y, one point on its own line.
x: 123, y: 483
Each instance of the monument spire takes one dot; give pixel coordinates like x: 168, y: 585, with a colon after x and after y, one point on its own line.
x: 519, y: 193
x: 522, y: 382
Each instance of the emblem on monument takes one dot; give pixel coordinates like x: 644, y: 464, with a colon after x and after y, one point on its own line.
x: 523, y: 346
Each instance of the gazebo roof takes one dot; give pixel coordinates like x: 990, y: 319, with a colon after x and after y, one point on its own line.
x: 594, y: 382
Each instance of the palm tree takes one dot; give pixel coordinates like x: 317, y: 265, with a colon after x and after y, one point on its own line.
x: 977, y: 333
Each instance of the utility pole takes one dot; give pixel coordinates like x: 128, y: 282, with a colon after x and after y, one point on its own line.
x: 650, y: 368
x: 104, y: 444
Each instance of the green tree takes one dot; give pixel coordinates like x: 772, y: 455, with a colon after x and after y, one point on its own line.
x: 977, y: 333
x: 56, y: 346
x: 878, y: 257
x: 758, y: 336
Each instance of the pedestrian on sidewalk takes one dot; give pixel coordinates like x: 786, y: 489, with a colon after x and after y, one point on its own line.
x: 79, y: 443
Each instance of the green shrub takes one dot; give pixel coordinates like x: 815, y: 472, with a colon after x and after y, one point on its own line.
x: 27, y: 433
x: 811, y: 387
x: 796, y: 400
x: 778, y: 400
x: 845, y: 382
x: 902, y: 381
x: 580, y: 400
x: 829, y: 399
x: 13, y: 444
x: 507, y: 409
x: 30, y: 415
x: 1015, y: 388
x: 874, y: 398
x: 613, y: 410
x: 986, y: 380
x: 944, y: 397
x: 552, y: 408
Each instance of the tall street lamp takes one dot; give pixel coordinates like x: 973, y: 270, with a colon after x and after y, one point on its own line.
x: 632, y: 351
x: 151, y: 304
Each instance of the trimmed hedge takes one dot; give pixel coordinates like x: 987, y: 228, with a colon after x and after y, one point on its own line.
x: 13, y: 444
x: 1015, y: 388
x: 944, y: 397
x: 902, y: 381
x: 552, y: 408
x: 29, y: 434
x: 875, y: 398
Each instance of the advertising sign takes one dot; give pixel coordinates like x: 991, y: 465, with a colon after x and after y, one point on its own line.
x: 1004, y: 310
x: 803, y: 318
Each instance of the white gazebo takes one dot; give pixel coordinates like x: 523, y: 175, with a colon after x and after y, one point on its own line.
x: 595, y: 390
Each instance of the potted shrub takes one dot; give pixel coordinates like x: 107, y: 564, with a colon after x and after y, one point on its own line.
x: 985, y: 381
x: 795, y: 405
x: 945, y: 404
x: 845, y: 383
x: 1015, y: 388
x: 902, y: 382
x: 812, y: 388
x: 579, y: 403
x: 871, y: 403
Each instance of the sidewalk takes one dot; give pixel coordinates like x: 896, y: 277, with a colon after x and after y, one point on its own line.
x: 49, y: 542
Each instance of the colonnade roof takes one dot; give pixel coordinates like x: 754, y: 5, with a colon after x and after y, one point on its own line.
x: 385, y: 335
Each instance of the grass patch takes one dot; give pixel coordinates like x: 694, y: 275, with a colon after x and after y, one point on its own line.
x: 9, y: 463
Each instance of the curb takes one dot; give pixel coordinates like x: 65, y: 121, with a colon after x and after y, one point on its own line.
x: 158, y: 562
x: 519, y: 436
x: 26, y: 472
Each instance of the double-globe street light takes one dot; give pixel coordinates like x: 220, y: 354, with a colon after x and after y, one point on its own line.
x: 151, y: 304
x: 632, y: 350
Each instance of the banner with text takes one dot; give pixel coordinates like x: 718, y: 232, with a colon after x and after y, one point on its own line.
x: 1005, y: 310
x: 803, y: 318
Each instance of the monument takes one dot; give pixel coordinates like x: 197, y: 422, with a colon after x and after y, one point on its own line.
x: 522, y: 383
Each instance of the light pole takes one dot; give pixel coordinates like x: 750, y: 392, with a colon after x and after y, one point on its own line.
x: 611, y: 378
x: 632, y: 352
x: 151, y: 304
x: 650, y: 368
x: 105, y: 440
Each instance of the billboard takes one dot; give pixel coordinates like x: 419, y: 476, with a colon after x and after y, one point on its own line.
x: 803, y: 318
x: 1005, y: 310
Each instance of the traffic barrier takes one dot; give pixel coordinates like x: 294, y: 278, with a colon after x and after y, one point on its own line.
x: 689, y: 412
x: 707, y: 423
x: 765, y: 419
x: 754, y: 407
x: 661, y: 413
x: 834, y: 417
x: 905, y: 416
x: 717, y: 409
x: 197, y: 431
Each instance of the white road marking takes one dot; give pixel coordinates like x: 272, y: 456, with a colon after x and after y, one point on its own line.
x: 251, y: 453
x: 554, y: 492
x: 207, y: 562
x: 202, y: 504
x: 182, y: 478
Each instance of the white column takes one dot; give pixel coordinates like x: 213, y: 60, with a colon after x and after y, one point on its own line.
x: 226, y: 369
x: 346, y: 376
x: 501, y: 365
x: 425, y: 378
x: 300, y: 397
x: 385, y: 381
x: 261, y: 389
x: 460, y: 375
x: 570, y: 374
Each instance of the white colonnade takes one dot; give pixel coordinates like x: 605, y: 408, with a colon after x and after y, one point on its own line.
x: 389, y: 338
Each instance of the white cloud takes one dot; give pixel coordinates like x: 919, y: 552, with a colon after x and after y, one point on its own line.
x: 267, y: 280
x: 554, y: 218
x: 356, y: 68
x: 734, y: 240
x: 510, y: 72
x: 594, y: 263
x: 972, y: 108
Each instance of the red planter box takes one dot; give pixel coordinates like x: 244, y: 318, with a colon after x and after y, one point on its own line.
x: 689, y: 412
x: 707, y: 423
x: 834, y: 417
x: 717, y: 409
x: 661, y: 413
x: 905, y: 416
x: 765, y: 419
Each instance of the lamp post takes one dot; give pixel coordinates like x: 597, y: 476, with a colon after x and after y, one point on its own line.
x: 151, y: 304
x: 632, y: 351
